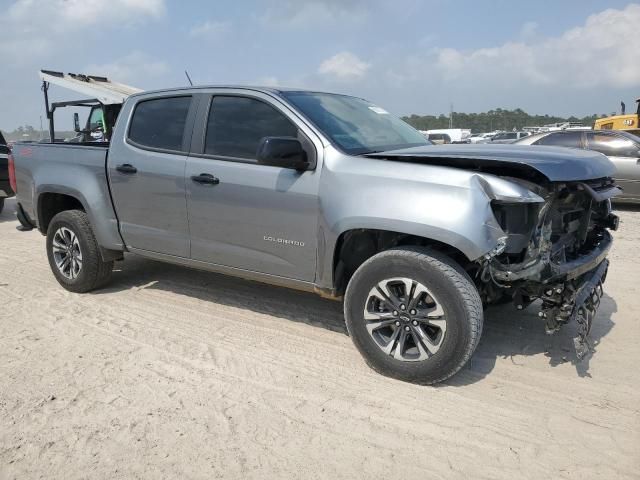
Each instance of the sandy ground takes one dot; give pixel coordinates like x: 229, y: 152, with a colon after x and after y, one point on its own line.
x: 174, y: 373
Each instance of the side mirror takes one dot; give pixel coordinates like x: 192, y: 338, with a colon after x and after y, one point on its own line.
x: 76, y: 122
x: 286, y: 152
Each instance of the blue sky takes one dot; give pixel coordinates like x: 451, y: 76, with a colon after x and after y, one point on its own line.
x: 410, y: 56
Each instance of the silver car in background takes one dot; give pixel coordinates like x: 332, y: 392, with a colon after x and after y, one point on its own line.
x: 508, y: 137
x: 622, y: 148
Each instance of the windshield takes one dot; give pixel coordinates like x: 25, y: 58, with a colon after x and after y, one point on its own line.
x: 355, y: 125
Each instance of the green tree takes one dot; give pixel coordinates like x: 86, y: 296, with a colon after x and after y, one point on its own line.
x: 498, y: 119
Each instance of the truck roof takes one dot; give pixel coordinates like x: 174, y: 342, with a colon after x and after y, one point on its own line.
x: 104, y: 90
x: 256, y: 88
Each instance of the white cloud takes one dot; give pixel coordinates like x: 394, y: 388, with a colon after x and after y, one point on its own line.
x: 209, y: 29
x: 301, y: 13
x: 136, y: 69
x: 599, y: 53
x: 344, y: 65
x: 77, y: 14
x: 35, y: 28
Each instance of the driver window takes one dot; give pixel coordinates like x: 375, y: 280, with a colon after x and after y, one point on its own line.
x: 236, y: 126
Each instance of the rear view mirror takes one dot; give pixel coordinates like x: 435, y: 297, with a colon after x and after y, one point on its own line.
x: 76, y: 122
x: 286, y: 152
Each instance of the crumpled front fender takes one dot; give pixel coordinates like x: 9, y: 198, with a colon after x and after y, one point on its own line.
x: 451, y: 206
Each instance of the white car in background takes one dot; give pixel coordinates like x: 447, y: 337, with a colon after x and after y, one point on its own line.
x: 482, y: 137
x: 455, y: 135
x: 509, y: 137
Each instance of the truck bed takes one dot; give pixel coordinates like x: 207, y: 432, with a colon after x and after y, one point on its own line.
x: 78, y: 170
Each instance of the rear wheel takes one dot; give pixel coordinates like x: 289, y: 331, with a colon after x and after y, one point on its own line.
x: 1, y: 204
x: 414, y: 314
x: 74, y: 254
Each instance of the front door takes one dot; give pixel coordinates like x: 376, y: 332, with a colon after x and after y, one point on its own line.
x: 146, y: 174
x: 249, y: 216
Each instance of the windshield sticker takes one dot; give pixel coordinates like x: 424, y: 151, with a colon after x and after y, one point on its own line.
x: 379, y: 111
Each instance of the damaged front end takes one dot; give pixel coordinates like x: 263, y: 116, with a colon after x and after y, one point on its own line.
x: 554, y: 248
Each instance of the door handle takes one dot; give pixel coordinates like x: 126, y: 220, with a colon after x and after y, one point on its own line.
x: 205, y: 179
x: 126, y: 168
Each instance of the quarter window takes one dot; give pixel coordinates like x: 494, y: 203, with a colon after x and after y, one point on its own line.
x: 237, y: 125
x: 613, y: 145
x: 159, y: 123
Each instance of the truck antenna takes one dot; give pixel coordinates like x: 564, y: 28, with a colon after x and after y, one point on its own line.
x: 188, y: 78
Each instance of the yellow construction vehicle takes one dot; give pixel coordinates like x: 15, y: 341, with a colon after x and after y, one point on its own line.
x: 629, y: 123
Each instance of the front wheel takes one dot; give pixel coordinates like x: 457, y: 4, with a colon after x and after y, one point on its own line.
x: 413, y: 314
x: 74, y: 254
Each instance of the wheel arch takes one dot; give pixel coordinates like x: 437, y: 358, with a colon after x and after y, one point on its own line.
x: 353, y: 246
x: 54, y: 199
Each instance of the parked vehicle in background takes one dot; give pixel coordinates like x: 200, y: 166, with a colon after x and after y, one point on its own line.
x: 438, y: 138
x: 481, y: 137
x: 5, y: 185
x: 456, y: 135
x: 622, y: 148
x: 508, y: 137
x: 330, y: 193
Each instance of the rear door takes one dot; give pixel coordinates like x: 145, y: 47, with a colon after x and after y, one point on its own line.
x: 625, y: 154
x: 256, y: 217
x: 146, y: 173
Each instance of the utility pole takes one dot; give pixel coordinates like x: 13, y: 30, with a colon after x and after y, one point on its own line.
x: 451, y: 115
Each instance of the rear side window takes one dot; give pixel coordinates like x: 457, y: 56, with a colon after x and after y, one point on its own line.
x: 159, y: 123
x: 568, y: 139
x: 612, y: 145
x: 237, y: 125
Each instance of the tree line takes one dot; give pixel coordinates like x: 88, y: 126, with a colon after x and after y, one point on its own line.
x: 497, y: 119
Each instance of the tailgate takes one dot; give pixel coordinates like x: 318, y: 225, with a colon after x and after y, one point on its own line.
x: 5, y: 189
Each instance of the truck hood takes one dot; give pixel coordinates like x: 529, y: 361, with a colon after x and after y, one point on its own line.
x: 554, y: 163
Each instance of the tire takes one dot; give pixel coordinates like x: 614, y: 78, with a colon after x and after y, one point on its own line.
x: 441, y: 336
x: 1, y: 204
x: 63, y: 230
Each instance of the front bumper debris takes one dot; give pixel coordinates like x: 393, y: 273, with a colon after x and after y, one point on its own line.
x: 577, y: 300
x: 545, y: 271
x: 586, y: 305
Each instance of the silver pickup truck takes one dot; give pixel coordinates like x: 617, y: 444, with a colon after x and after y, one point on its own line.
x: 331, y: 194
